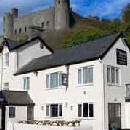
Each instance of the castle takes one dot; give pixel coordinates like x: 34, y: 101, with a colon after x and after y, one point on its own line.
x: 53, y: 18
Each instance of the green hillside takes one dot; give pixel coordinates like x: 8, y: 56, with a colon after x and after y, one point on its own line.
x: 85, y: 29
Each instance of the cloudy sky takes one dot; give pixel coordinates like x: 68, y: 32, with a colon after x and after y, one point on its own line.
x: 102, y: 8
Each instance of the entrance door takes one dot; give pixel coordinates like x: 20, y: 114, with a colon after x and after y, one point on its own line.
x: 114, y: 111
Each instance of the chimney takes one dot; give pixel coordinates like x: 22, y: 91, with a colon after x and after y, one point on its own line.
x: 14, y: 12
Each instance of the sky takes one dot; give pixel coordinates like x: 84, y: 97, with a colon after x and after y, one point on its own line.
x: 103, y: 8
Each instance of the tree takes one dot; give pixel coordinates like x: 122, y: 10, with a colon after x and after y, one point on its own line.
x: 126, y: 13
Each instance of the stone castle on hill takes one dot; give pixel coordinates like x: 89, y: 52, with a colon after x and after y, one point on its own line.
x: 51, y: 19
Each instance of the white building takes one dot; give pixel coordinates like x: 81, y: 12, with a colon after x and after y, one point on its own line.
x: 88, y: 82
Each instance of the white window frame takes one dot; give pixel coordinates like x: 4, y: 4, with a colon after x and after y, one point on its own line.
x: 113, y: 83
x: 49, y: 116
x: 82, y: 117
x: 5, y: 88
x: 82, y: 76
x: 49, y: 80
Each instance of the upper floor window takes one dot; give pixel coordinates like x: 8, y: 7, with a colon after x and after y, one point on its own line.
x: 54, y: 80
x: 6, y: 60
x: 6, y: 86
x: 86, y: 110
x: 26, y: 83
x: 85, y: 75
x: 54, y: 110
x: 11, y: 112
x: 112, y: 75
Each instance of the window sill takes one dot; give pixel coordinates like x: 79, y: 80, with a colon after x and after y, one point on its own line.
x: 54, y: 118
x: 86, y: 118
x: 113, y: 85
x: 60, y: 87
x: 84, y: 85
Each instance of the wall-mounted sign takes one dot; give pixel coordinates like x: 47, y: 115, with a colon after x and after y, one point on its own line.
x: 65, y: 79
x: 121, y: 57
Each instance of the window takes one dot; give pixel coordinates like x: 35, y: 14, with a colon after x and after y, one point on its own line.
x: 20, y: 30
x: 26, y: 83
x: 112, y: 75
x: 6, y: 60
x: 42, y: 24
x: 85, y: 75
x: 54, y: 110
x: 15, y: 31
x: 86, y: 110
x: 11, y: 112
x: 54, y: 80
x: 25, y: 29
x: 6, y: 86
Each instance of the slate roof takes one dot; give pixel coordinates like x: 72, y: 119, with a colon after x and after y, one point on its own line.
x: 88, y: 51
x: 19, y: 98
x: 13, y: 45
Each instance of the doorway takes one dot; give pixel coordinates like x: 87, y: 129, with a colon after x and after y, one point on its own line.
x: 114, y: 112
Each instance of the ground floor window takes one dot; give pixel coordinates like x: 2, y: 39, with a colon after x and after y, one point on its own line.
x: 86, y: 110
x: 11, y: 112
x: 54, y: 110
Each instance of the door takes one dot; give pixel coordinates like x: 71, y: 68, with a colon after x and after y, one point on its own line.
x: 30, y: 112
x: 114, y: 111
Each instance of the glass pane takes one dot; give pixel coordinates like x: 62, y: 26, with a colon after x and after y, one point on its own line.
x: 47, y: 110
x: 113, y: 75
x: 91, y: 111
x: 85, y: 75
x: 54, y: 110
x: 47, y: 81
x: 60, y: 110
x: 79, y: 110
x: 108, y: 75
x: 79, y: 76
x: 90, y: 75
x: 85, y: 109
x: 54, y: 80
x: 117, y: 75
x: 60, y: 79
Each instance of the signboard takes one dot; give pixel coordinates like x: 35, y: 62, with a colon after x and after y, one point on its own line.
x: 65, y: 79
x: 121, y: 57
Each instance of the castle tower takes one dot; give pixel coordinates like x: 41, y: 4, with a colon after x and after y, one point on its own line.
x: 8, y: 23
x: 62, y: 14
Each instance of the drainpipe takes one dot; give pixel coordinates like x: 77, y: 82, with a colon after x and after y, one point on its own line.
x: 67, y: 68
x: 1, y: 70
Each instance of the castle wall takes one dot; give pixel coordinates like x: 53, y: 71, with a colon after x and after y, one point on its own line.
x: 35, y: 19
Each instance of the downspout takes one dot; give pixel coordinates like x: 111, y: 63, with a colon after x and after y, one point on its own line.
x: 104, y: 92
x: 1, y: 70
x: 67, y: 68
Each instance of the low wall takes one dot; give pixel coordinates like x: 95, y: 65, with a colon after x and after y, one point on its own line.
x: 20, y: 126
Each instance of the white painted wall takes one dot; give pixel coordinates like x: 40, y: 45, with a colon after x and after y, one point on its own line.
x: 127, y: 115
x: 30, y: 51
x: 117, y: 93
x: 20, y: 114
